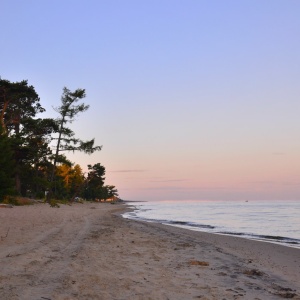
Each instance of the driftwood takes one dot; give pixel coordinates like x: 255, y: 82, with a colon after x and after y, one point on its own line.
x: 198, y: 263
x: 6, y: 206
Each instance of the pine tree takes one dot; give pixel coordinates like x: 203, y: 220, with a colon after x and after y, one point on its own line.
x: 66, y: 140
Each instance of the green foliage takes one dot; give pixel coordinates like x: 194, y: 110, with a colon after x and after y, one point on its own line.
x: 95, y: 188
x: 68, y: 111
x: 69, y: 181
x: 94, y: 182
x: 111, y: 191
x: 28, y: 166
x: 54, y: 203
x: 17, y: 201
x: 66, y: 140
x: 19, y: 104
x: 10, y: 200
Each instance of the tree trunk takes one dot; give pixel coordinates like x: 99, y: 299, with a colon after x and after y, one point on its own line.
x: 56, y: 156
x: 17, y: 174
x: 5, y: 104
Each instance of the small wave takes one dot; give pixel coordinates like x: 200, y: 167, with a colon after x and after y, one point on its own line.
x: 232, y: 233
x: 281, y: 239
x: 132, y: 215
x: 190, y: 224
x: 271, y: 238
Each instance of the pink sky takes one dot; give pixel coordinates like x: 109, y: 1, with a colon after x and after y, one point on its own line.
x: 190, y: 99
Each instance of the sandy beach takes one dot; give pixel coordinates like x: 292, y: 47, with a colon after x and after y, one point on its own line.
x: 88, y: 251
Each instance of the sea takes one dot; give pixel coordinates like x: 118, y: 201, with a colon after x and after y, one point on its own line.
x: 270, y: 221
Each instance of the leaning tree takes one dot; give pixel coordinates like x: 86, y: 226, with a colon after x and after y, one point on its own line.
x: 66, y: 140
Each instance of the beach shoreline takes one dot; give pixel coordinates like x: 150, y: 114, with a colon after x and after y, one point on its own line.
x: 89, y: 251
x: 259, y: 220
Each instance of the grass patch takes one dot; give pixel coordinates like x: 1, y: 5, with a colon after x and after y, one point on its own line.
x: 54, y: 203
x: 17, y: 201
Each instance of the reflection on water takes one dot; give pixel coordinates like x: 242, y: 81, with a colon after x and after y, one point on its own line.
x: 276, y: 221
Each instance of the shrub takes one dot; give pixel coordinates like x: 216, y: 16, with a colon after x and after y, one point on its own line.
x: 53, y: 203
x: 17, y: 201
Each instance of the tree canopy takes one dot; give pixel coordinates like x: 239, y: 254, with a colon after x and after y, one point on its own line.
x: 29, y: 164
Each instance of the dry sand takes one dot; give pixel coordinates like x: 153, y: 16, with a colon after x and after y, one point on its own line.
x: 87, y: 251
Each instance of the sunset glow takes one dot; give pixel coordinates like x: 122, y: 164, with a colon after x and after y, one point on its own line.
x: 190, y: 99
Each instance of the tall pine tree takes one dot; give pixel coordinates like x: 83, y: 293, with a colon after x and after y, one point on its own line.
x: 66, y: 140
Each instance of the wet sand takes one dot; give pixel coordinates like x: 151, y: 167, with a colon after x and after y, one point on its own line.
x: 88, y: 251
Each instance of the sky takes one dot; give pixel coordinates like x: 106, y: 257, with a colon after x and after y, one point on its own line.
x: 191, y: 100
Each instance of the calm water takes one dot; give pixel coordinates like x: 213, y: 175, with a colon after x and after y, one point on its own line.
x: 277, y: 222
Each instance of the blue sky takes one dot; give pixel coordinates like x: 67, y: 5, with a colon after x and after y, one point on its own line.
x: 190, y: 99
